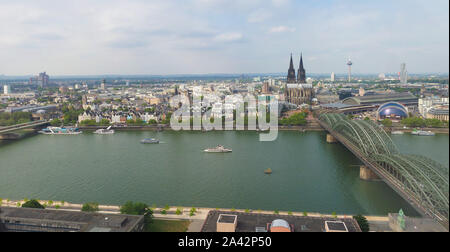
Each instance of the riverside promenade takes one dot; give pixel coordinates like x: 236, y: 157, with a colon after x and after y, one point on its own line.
x: 380, y: 223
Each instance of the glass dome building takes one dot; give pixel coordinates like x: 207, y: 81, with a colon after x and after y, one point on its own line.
x: 393, y: 111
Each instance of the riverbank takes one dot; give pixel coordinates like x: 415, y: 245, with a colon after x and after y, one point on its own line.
x: 435, y: 130
x: 168, y: 128
x: 179, y: 213
x: 17, y: 135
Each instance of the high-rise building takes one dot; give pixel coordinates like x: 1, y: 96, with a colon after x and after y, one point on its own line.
x: 403, y: 74
x: 103, y: 85
x: 266, y: 88
x: 333, y: 77
x: 6, y: 89
x: 41, y: 80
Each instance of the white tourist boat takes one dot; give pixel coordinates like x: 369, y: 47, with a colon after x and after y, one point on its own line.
x: 422, y: 133
x: 397, y: 133
x: 218, y: 149
x: 107, y: 131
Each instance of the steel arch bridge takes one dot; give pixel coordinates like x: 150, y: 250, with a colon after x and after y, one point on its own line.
x: 423, y: 182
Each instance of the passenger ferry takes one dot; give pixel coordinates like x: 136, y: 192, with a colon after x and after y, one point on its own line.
x: 107, y: 131
x: 218, y: 149
x: 60, y: 131
x: 397, y: 133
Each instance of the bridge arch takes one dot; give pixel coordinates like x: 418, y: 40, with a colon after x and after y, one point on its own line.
x: 422, y: 180
x: 422, y: 176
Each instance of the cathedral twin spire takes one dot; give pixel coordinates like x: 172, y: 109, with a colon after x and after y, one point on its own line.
x: 301, y: 78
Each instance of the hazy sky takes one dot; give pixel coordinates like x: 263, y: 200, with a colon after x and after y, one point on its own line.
x: 66, y: 37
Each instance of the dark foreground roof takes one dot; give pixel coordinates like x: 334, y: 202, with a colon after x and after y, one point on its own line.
x: 40, y: 220
x: 249, y: 222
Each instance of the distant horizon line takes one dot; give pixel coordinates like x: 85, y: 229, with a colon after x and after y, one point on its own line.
x: 210, y: 74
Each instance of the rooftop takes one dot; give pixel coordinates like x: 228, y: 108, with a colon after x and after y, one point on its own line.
x: 250, y: 222
x: 379, y: 98
x: 69, y: 220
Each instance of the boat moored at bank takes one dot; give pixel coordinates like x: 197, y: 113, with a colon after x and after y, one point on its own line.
x: 107, y: 131
x: 422, y: 133
x: 60, y: 131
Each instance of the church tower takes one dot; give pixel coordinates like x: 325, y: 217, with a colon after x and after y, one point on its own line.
x: 301, y: 72
x: 291, y: 73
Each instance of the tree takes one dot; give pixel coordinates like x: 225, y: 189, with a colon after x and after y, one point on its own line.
x: 387, y: 122
x: 55, y: 122
x: 297, y: 119
x: 362, y: 222
x: 33, y: 204
x: 134, y: 208
x: 90, y: 207
x: 105, y: 122
x: 88, y: 123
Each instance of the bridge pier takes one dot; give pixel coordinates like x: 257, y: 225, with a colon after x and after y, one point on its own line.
x: 367, y: 174
x: 331, y: 139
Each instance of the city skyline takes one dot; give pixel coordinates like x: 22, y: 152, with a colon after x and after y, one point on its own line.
x: 221, y: 37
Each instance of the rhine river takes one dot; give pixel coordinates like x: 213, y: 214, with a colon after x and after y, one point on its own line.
x: 308, y: 174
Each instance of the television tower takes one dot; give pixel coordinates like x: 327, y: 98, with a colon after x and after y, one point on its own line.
x: 349, y: 64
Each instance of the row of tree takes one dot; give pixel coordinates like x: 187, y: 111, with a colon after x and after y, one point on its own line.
x: 420, y: 122
x: 8, y: 119
x: 297, y: 119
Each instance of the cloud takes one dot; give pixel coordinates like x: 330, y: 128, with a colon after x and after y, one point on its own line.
x: 259, y: 16
x: 229, y: 37
x: 281, y: 29
x: 180, y: 36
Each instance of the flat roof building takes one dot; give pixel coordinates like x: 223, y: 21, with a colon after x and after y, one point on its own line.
x: 43, y: 220
x: 255, y: 222
x: 406, y: 99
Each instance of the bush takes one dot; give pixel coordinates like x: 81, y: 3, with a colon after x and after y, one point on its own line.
x: 152, y: 122
x: 134, y: 208
x: 179, y: 211
x: 33, y: 204
x: 362, y: 222
x: 192, y: 212
x: 90, y: 207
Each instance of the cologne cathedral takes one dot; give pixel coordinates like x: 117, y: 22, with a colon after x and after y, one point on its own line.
x: 297, y: 91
